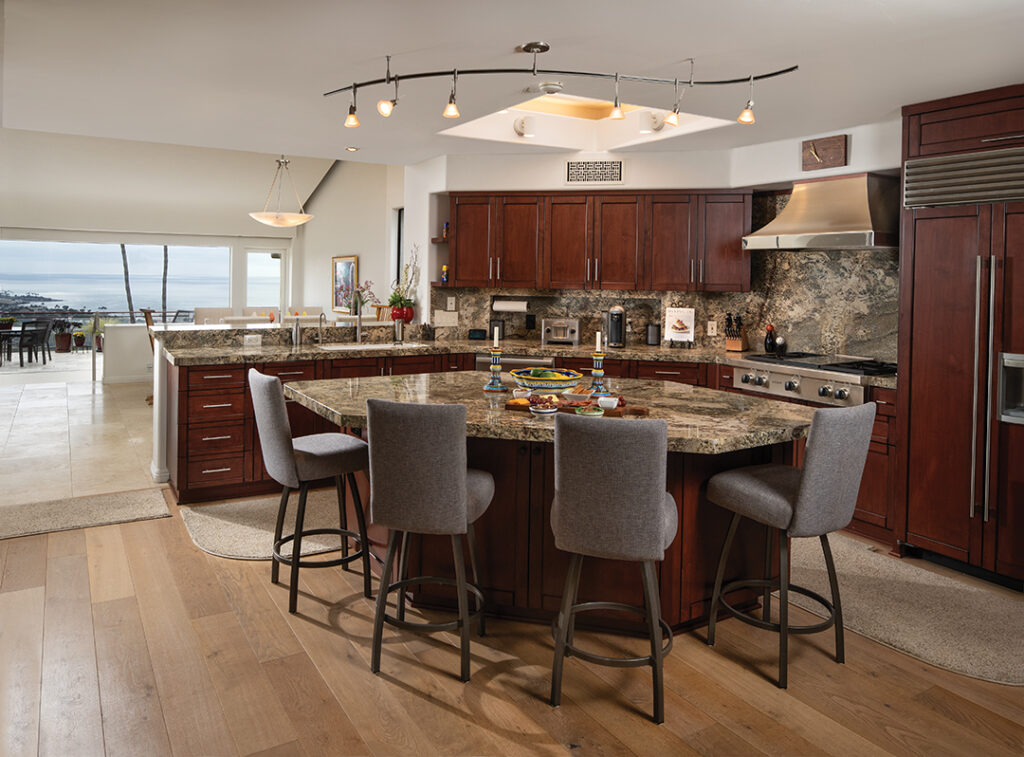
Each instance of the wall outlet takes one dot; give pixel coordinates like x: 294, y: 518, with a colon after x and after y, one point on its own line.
x: 712, y: 328
x: 451, y: 304
x: 253, y: 340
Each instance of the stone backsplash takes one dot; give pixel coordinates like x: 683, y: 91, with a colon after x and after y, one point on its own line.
x: 823, y: 301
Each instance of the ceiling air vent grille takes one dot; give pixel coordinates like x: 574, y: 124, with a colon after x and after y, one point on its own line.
x: 977, y: 177
x: 593, y: 172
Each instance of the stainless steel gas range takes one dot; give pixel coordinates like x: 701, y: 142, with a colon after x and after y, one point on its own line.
x: 827, y: 379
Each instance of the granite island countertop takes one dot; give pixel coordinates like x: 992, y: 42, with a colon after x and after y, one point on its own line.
x: 702, y: 421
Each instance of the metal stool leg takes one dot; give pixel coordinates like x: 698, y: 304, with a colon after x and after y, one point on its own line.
x: 783, y: 609
x: 275, y: 566
x: 653, y: 604
x: 364, y: 540
x: 837, y: 607
x: 382, y: 602
x: 460, y: 585
x: 403, y: 573
x: 716, y: 594
x: 339, y: 485
x: 300, y: 517
x: 766, y: 596
x: 474, y: 565
x: 565, y: 618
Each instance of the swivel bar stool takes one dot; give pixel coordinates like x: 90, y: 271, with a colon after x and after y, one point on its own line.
x: 419, y: 483
x: 813, y: 501
x: 294, y: 463
x: 610, y: 501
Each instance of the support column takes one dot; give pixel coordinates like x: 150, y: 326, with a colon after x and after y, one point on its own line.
x: 158, y: 466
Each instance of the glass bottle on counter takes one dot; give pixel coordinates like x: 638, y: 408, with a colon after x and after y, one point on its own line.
x: 769, y: 340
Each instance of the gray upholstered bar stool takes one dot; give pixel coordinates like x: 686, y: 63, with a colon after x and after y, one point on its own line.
x: 419, y: 483
x: 813, y: 501
x: 294, y: 463
x: 610, y: 501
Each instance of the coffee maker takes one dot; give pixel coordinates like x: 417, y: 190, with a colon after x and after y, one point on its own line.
x: 615, y: 326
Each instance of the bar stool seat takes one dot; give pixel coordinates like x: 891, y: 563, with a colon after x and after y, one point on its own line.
x: 322, y: 455
x: 764, y: 493
x: 479, y: 493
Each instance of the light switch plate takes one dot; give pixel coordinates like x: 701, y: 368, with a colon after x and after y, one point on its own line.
x: 253, y: 340
x: 445, y: 318
x: 451, y: 304
x: 712, y: 328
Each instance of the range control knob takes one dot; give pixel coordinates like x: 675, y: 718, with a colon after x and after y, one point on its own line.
x: 792, y: 385
x: 825, y: 391
x: 761, y: 381
x: 746, y: 378
x: 841, y: 394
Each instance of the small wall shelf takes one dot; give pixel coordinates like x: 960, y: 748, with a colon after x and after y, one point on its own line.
x: 438, y: 240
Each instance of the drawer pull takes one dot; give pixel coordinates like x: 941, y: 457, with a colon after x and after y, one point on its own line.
x: 667, y: 373
x: 224, y: 376
x: 215, y: 438
x: 291, y: 373
x: 222, y: 404
x: 216, y: 470
x: 1003, y: 139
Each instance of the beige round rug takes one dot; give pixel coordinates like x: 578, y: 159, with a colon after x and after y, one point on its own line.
x: 244, y: 529
x: 944, y: 621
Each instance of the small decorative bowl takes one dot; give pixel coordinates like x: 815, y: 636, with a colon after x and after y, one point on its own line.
x: 590, y: 411
x: 544, y: 411
x: 566, y: 379
x: 521, y: 394
x: 608, y: 403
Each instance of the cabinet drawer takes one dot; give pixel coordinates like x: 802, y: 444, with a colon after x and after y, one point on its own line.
x: 684, y: 373
x: 291, y: 371
x: 215, y: 377
x: 886, y: 399
x: 401, y: 366
x: 355, y: 367
x: 216, y: 406
x: 219, y: 439
x: 880, y: 431
x: 725, y: 375
x: 218, y: 470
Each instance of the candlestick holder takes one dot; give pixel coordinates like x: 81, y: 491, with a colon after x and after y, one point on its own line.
x: 597, y: 386
x: 495, y: 385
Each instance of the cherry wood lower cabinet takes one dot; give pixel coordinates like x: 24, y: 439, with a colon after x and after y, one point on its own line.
x: 523, y: 572
x: 695, y: 374
x: 612, y: 368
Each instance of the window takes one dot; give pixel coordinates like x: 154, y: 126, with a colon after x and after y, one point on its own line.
x: 263, y: 279
x: 399, y: 241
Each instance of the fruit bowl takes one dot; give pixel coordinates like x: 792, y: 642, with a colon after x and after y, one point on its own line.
x: 549, y: 379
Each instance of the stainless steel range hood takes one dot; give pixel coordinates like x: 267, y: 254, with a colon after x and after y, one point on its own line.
x: 856, y: 212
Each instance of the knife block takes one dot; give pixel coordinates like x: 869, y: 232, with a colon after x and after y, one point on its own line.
x: 737, y: 343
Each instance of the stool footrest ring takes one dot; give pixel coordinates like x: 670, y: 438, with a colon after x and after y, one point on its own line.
x: 761, y: 583
x: 449, y: 625
x: 287, y: 560
x: 614, y: 662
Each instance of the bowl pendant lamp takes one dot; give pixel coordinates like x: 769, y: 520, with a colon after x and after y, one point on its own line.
x: 279, y: 218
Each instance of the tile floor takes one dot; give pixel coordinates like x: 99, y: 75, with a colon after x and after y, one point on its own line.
x: 61, y: 435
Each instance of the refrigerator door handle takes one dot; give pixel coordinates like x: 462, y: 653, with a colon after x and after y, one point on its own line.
x: 974, y: 400
x: 988, y: 386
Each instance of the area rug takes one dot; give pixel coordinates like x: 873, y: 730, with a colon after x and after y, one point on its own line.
x: 244, y: 529
x: 943, y: 621
x: 82, y: 512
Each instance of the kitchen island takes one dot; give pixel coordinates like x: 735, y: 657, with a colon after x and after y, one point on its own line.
x: 522, y: 571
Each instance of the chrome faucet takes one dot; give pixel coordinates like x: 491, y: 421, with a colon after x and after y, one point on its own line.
x: 296, y: 333
x: 321, y: 321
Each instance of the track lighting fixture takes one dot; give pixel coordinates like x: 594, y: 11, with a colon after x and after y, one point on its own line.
x: 385, y: 107
x: 352, y: 121
x: 616, y: 114
x: 523, y: 127
x: 276, y: 217
x: 451, y: 110
x: 672, y: 119
x: 747, y: 114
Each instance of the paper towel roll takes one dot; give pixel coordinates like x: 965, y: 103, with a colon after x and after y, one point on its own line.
x: 509, y: 306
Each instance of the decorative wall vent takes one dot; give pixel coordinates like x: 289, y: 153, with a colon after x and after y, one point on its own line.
x: 593, y: 172
x: 980, y: 177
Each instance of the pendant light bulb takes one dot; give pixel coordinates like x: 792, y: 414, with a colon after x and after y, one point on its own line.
x: 387, y: 107
x: 672, y: 119
x: 451, y: 110
x: 746, y: 116
x: 616, y: 114
x: 352, y: 121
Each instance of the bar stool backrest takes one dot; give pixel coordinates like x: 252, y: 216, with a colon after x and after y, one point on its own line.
x: 610, y: 487
x: 417, y: 466
x: 837, y: 447
x: 275, y: 431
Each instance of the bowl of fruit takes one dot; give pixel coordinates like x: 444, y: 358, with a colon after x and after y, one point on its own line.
x: 546, y: 379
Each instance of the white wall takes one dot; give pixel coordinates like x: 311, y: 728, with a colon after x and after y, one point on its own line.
x: 424, y: 214
x: 127, y: 355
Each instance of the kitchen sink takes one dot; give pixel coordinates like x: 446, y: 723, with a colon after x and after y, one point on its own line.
x: 354, y: 346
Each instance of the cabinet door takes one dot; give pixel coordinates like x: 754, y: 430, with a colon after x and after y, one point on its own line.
x: 517, y: 259
x: 948, y: 245
x: 617, y: 239
x: 568, y: 242
x: 875, y: 494
x: 723, y: 265
x: 968, y: 123
x: 671, y: 242
x: 408, y: 364
x: 471, y: 241
x: 355, y: 367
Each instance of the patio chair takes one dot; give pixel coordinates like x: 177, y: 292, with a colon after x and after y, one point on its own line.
x: 34, y: 337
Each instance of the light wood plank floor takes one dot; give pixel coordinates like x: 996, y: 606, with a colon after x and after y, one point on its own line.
x: 127, y: 640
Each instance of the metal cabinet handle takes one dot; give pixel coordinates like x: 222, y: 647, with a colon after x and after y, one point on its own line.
x: 291, y: 373
x: 588, y: 270
x: 215, y: 438
x: 216, y: 470
x: 988, y: 386
x: 499, y: 268
x: 223, y: 404
x: 490, y: 268
x: 692, y: 264
x: 1003, y: 139
x: 597, y: 267
x: 974, y: 394
x: 226, y: 375
x: 667, y: 373
x: 702, y: 270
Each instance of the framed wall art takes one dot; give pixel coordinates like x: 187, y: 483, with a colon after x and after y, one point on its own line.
x: 344, y: 275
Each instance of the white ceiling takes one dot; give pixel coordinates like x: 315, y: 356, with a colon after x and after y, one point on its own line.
x: 250, y: 75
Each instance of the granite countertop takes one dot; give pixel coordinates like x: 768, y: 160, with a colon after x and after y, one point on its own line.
x: 702, y: 421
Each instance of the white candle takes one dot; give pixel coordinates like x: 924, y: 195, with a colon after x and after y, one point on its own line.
x: 597, y: 342
x: 495, y: 337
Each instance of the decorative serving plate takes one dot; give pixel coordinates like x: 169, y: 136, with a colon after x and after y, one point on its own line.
x: 567, y: 379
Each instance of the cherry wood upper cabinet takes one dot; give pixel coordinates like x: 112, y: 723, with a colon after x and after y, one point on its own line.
x: 671, y: 242
x: 618, y: 235
x: 518, y: 251
x: 987, y: 120
x: 568, y: 242
x: 723, y: 265
x: 471, y: 241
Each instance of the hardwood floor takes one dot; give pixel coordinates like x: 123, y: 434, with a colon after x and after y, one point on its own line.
x: 127, y: 640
